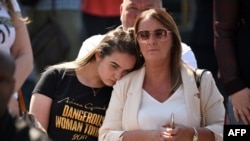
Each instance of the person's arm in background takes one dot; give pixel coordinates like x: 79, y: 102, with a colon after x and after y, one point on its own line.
x: 225, y: 25
x: 22, y: 53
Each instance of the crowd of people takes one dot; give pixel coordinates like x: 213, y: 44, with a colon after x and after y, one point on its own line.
x: 117, y: 79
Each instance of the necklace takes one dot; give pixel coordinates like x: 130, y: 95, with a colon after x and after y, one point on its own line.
x: 96, y: 90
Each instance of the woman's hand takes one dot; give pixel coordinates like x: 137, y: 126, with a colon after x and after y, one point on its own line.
x: 178, y: 133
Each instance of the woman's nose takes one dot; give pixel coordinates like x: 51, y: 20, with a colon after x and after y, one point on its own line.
x: 151, y: 38
x: 118, y: 75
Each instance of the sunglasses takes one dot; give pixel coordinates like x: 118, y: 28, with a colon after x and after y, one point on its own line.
x: 160, y: 34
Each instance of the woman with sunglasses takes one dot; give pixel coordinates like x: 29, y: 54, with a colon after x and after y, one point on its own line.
x: 159, y: 101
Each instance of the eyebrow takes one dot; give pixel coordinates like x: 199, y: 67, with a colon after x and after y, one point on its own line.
x: 114, y: 63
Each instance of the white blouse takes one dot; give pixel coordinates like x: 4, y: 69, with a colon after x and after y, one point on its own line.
x: 153, y: 114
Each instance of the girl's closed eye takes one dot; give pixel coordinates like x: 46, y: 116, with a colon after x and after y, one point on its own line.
x: 114, y: 66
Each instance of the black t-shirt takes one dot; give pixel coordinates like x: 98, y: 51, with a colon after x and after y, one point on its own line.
x: 76, y: 112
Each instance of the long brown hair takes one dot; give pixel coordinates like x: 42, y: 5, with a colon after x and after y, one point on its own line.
x: 161, y: 15
x: 116, y: 40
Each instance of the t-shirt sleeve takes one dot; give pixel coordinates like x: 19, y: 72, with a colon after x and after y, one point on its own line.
x: 47, y: 83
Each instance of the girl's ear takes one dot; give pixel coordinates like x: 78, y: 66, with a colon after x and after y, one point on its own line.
x: 97, y: 56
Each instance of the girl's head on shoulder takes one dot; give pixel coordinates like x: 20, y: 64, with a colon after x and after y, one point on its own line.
x: 115, y: 56
x: 116, y: 41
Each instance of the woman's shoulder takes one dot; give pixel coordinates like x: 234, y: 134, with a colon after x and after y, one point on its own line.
x: 134, y: 78
x: 195, y: 71
x: 192, y: 77
x: 134, y: 74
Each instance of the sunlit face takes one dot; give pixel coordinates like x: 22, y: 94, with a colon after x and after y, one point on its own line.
x: 114, y: 67
x: 130, y: 9
x: 156, y: 40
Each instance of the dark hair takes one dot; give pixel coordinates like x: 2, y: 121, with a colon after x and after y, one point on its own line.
x: 118, y: 40
x: 161, y: 15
